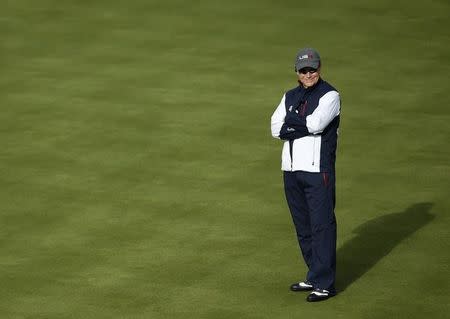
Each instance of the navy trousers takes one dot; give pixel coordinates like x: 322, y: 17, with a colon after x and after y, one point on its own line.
x: 311, y: 200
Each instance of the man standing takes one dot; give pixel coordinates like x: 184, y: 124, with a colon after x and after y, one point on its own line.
x: 307, y: 120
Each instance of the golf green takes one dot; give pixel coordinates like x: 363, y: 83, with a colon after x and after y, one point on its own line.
x: 139, y: 178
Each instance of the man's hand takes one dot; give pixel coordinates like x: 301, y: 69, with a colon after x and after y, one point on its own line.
x: 292, y: 119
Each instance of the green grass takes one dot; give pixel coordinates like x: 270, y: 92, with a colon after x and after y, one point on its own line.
x: 139, y: 178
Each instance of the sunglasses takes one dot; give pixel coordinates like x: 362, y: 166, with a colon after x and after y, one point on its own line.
x: 307, y: 70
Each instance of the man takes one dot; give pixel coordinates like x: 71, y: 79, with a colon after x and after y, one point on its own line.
x: 307, y: 120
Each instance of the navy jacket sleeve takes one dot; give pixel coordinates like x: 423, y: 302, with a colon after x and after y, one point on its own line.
x: 294, y: 127
x: 288, y: 132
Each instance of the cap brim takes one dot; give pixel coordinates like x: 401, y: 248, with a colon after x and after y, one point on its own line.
x: 307, y: 64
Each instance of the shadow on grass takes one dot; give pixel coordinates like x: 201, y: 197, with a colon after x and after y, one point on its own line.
x: 375, y: 239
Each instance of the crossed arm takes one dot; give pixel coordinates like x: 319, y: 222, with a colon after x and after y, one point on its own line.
x: 289, y: 125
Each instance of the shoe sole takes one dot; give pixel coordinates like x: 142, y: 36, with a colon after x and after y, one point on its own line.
x: 319, y: 298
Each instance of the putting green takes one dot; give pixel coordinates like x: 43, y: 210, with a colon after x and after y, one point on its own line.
x: 139, y: 178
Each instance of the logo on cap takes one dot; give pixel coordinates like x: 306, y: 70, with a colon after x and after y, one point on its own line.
x: 306, y: 56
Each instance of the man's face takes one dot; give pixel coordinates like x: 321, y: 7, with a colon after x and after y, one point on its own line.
x: 308, y: 76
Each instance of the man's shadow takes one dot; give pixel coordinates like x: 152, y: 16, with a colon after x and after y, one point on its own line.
x: 375, y: 239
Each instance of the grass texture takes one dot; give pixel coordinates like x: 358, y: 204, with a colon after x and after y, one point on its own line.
x: 139, y: 178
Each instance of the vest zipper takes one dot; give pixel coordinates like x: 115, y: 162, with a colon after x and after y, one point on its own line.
x: 314, y: 150
x: 291, y: 147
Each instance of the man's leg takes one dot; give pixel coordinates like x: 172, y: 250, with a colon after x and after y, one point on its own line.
x: 320, y: 199
x: 296, y: 200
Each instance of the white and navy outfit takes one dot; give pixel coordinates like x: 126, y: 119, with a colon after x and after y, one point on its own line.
x: 307, y: 119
